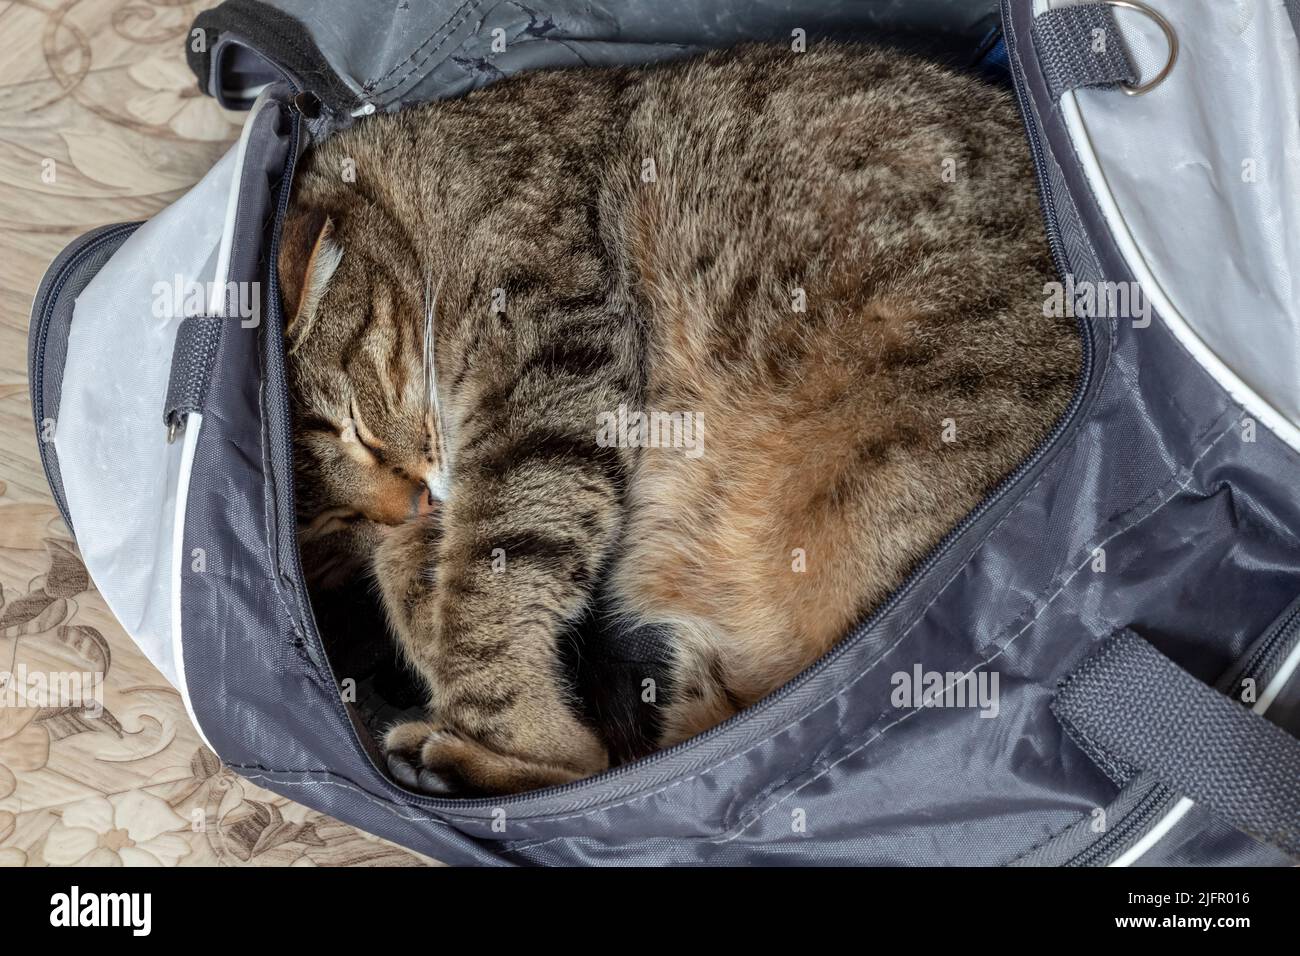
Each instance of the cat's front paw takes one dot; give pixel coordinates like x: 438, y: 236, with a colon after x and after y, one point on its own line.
x: 403, y: 566
x: 435, y: 759
x: 403, y: 746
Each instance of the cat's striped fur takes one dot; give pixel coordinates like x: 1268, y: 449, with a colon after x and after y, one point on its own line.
x: 834, y: 259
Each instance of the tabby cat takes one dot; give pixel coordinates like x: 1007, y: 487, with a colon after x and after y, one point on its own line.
x: 826, y: 267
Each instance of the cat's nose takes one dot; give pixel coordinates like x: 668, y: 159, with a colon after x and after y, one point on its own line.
x: 422, y: 501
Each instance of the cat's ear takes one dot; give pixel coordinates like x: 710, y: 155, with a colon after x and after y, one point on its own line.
x: 309, y: 254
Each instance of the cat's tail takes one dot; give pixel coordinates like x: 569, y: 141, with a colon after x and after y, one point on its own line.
x: 621, y: 672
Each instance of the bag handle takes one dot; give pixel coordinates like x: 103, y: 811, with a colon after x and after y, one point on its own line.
x: 1132, y: 709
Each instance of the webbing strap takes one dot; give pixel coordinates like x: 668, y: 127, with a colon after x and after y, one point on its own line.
x: 1131, y: 708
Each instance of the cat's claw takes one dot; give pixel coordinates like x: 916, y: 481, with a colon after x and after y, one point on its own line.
x: 405, y: 745
x: 438, y: 785
x: 442, y: 762
x: 402, y: 771
x: 420, y: 778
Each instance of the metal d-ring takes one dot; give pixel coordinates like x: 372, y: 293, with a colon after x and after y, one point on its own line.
x: 1172, y: 38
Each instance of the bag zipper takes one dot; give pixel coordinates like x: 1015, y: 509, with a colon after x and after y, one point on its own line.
x: 1160, y: 794
x: 1277, y: 644
x: 1134, y: 823
x: 42, y: 311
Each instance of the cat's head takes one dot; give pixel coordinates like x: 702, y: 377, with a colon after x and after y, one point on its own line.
x: 367, y: 448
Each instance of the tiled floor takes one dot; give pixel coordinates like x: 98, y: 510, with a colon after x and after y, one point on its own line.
x: 101, y: 121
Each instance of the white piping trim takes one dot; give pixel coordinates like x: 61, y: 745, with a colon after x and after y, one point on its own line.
x: 1241, y: 393
x: 1280, y: 680
x: 217, y: 300
x: 1155, y: 834
x: 243, y: 92
x: 194, y: 421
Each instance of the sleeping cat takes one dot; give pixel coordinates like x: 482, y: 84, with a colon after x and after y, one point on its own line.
x: 821, y: 274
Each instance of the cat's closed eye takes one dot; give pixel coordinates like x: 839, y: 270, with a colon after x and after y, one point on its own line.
x: 358, y: 441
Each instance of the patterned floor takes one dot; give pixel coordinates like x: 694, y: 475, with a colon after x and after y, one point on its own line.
x: 100, y: 121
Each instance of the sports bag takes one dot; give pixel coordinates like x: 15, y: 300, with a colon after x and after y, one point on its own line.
x: 1099, y: 665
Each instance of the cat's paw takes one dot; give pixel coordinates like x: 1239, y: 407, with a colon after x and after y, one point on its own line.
x: 404, y: 745
x: 403, y: 565
x: 429, y: 757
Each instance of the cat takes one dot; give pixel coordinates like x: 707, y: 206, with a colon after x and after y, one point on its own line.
x: 825, y: 268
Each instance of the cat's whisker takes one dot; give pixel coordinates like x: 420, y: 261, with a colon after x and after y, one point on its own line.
x: 436, y: 479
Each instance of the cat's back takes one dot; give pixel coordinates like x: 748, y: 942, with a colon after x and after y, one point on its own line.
x: 842, y: 256
x: 784, y: 157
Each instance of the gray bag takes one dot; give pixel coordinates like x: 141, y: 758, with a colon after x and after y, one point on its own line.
x: 1133, y: 587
